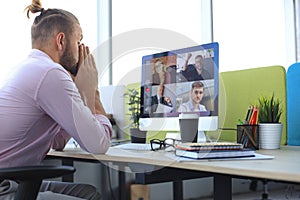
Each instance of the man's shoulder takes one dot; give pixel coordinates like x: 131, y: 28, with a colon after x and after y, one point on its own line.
x: 39, y: 64
x: 184, y: 107
x: 190, y: 67
x: 202, y: 107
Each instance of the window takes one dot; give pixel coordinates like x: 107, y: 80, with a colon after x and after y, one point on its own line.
x: 297, y: 22
x: 252, y: 33
x: 145, y: 27
x: 15, y: 34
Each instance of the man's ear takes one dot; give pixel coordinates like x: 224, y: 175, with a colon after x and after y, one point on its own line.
x: 60, y: 41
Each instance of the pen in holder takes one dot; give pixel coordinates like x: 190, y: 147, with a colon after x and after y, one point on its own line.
x: 248, y: 136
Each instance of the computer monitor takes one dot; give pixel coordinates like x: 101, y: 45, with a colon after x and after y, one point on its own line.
x: 166, y: 87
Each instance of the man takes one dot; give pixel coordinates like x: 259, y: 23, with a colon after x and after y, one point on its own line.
x: 194, y: 72
x: 161, y: 103
x: 196, y: 94
x: 51, y: 97
x: 156, y: 99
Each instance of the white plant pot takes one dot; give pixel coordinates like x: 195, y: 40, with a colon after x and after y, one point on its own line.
x: 269, y: 135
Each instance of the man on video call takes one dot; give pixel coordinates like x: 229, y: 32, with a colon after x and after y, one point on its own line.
x: 161, y: 103
x: 52, y: 96
x: 196, y: 96
x: 194, y: 72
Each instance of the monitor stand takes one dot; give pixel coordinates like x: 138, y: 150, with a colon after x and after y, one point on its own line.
x: 201, y: 136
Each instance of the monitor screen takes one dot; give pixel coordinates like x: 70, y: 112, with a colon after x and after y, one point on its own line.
x: 180, y: 81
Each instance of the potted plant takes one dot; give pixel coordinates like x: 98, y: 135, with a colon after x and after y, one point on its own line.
x: 133, y: 102
x: 270, y: 128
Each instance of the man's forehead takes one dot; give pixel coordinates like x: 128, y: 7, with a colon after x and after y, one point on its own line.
x: 198, y: 89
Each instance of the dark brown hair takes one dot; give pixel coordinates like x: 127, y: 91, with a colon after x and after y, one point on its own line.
x: 49, y: 22
x: 197, y: 84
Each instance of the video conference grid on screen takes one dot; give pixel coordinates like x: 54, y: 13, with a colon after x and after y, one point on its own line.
x: 172, y: 80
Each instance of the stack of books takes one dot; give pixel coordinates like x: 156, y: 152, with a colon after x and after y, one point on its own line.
x: 210, y: 150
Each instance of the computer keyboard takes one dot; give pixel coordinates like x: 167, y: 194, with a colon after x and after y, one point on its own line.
x: 135, y: 146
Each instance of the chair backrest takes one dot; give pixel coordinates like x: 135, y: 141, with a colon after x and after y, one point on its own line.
x: 242, y: 88
x: 31, y: 177
x: 293, y: 104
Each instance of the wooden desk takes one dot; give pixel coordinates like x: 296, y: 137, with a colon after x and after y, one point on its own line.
x: 285, y: 167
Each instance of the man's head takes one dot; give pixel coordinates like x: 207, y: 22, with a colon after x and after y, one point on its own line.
x: 197, y: 92
x: 167, y: 101
x: 56, y: 32
x: 199, y: 62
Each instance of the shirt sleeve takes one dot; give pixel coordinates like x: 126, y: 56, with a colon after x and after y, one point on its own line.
x: 60, y: 140
x: 58, y: 96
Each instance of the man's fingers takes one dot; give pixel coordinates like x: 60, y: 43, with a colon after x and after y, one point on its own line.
x: 85, y: 58
x: 88, y: 58
x: 93, y: 61
x: 85, y: 54
x: 81, y: 57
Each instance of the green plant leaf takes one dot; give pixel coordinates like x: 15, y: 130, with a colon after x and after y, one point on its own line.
x: 269, y: 110
x: 133, y: 106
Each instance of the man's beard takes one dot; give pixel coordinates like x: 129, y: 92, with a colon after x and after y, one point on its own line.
x: 68, y: 62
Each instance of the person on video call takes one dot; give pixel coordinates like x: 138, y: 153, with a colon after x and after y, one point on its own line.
x: 194, y: 72
x: 160, y: 75
x: 166, y: 100
x: 196, y: 95
x: 52, y: 96
x: 160, y: 99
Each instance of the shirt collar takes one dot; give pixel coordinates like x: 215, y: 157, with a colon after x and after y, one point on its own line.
x: 36, y: 53
x: 192, y: 107
x: 39, y: 53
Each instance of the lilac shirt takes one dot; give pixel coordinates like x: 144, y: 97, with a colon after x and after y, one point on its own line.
x: 39, y: 105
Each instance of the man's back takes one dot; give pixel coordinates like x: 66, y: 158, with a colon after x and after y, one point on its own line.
x: 25, y: 127
x: 40, y: 108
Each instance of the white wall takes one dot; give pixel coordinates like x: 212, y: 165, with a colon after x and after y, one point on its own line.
x: 15, y: 28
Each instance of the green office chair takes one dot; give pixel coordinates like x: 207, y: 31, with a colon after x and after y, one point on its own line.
x: 30, y: 178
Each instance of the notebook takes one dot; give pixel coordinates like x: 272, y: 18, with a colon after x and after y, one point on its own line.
x: 211, y: 154
x: 205, y: 150
x: 209, y: 146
